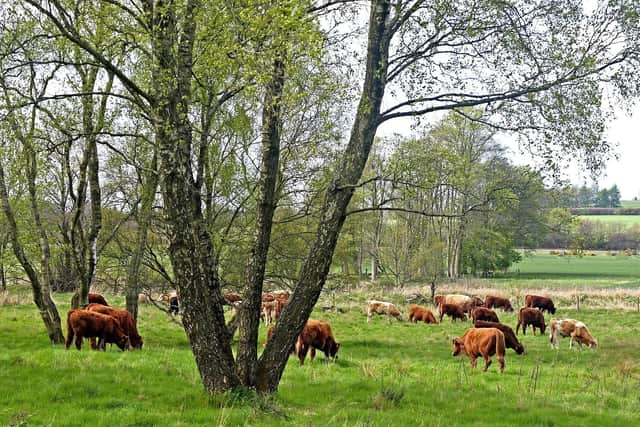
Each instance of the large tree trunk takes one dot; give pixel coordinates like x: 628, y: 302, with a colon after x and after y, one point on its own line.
x: 144, y: 220
x: 249, y: 312
x: 190, y: 247
x: 315, y: 270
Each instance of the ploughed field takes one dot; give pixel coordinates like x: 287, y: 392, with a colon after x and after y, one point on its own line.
x: 386, y: 374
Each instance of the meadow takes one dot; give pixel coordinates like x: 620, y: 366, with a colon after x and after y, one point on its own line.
x: 386, y: 374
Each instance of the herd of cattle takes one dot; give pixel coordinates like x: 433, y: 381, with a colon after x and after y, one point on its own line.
x: 487, y: 338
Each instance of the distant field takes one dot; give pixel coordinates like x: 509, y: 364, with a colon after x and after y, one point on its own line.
x: 541, y: 268
x: 387, y: 375
x: 630, y: 203
x: 626, y: 220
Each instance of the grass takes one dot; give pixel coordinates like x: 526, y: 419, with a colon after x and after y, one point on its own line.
x: 623, y: 220
x: 387, y: 374
x: 630, y: 203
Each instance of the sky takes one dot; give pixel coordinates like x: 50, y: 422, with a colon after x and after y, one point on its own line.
x: 624, y: 133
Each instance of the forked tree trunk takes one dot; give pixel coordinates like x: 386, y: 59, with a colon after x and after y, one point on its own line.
x: 249, y: 312
x: 315, y: 270
x: 190, y: 246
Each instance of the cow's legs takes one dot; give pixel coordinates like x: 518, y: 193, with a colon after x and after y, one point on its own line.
x: 69, y: 338
x: 517, y: 327
x: 78, y: 341
x: 501, y: 362
x: 302, y: 353
x: 312, y: 353
x: 473, y: 361
x: 368, y: 316
x: 487, y: 363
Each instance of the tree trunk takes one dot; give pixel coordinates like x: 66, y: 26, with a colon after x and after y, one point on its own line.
x: 249, y: 312
x: 190, y: 246
x: 41, y: 296
x: 315, y: 270
x: 144, y: 219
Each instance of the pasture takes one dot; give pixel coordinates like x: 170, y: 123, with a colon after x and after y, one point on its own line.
x: 387, y: 374
x: 623, y: 220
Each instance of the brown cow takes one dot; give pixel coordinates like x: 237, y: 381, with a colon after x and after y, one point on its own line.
x: 498, y: 302
x: 483, y: 342
x: 231, y: 298
x: 530, y: 316
x: 270, y: 310
x: 452, y: 310
x: 95, y: 298
x: 127, y: 322
x: 571, y: 328
x: 471, y: 303
x: 87, y: 324
x: 143, y: 299
x: 482, y: 313
x: 543, y: 303
x: 420, y: 314
x: 382, y: 307
x: 317, y: 334
x: 510, y: 338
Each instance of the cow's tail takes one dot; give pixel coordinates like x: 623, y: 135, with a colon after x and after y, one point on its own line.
x: 500, y: 349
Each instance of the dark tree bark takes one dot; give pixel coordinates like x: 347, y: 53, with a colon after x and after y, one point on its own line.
x: 315, y: 270
x: 249, y: 312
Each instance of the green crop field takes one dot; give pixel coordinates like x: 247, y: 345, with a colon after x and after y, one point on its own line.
x: 387, y: 375
x: 630, y: 203
x: 626, y: 220
x: 600, y: 270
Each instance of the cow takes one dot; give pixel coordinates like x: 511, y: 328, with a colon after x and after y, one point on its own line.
x: 87, y: 324
x: 95, y: 298
x: 456, y: 299
x: 317, y: 334
x: 126, y: 320
x: 530, y: 316
x: 420, y: 314
x: 382, y: 307
x: 510, y: 339
x: 452, y: 310
x: 438, y: 300
x: 231, y: 298
x: 471, y: 303
x: 482, y: 313
x: 543, y: 303
x: 166, y: 297
x: 270, y: 310
x: 483, y: 342
x: 498, y: 302
x: 571, y: 328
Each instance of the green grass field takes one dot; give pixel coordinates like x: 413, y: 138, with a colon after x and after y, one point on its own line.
x: 387, y: 374
x: 625, y: 220
x: 630, y: 203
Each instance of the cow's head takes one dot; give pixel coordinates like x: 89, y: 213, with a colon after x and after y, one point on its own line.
x: 458, y: 346
x: 552, y: 309
x: 508, y: 307
x: 333, y: 350
x: 136, y: 342
x: 519, y: 348
x: 123, y: 342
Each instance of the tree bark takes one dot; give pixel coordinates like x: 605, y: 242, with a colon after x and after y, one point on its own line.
x: 315, y: 270
x: 190, y: 246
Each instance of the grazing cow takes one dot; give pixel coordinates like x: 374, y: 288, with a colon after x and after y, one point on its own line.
x: 452, y: 310
x: 571, y: 328
x: 270, y: 310
x: 530, y: 316
x: 498, y: 302
x: 95, y: 298
x: 87, y: 324
x: 482, y: 313
x: 510, y: 339
x: 231, y: 299
x: 382, y: 307
x: 483, y: 342
x: 456, y: 299
x: 126, y: 320
x: 420, y: 314
x: 543, y: 303
x: 471, y: 303
x: 166, y: 297
x: 317, y: 334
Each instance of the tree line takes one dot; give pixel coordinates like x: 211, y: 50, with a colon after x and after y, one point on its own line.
x: 211, y: 144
